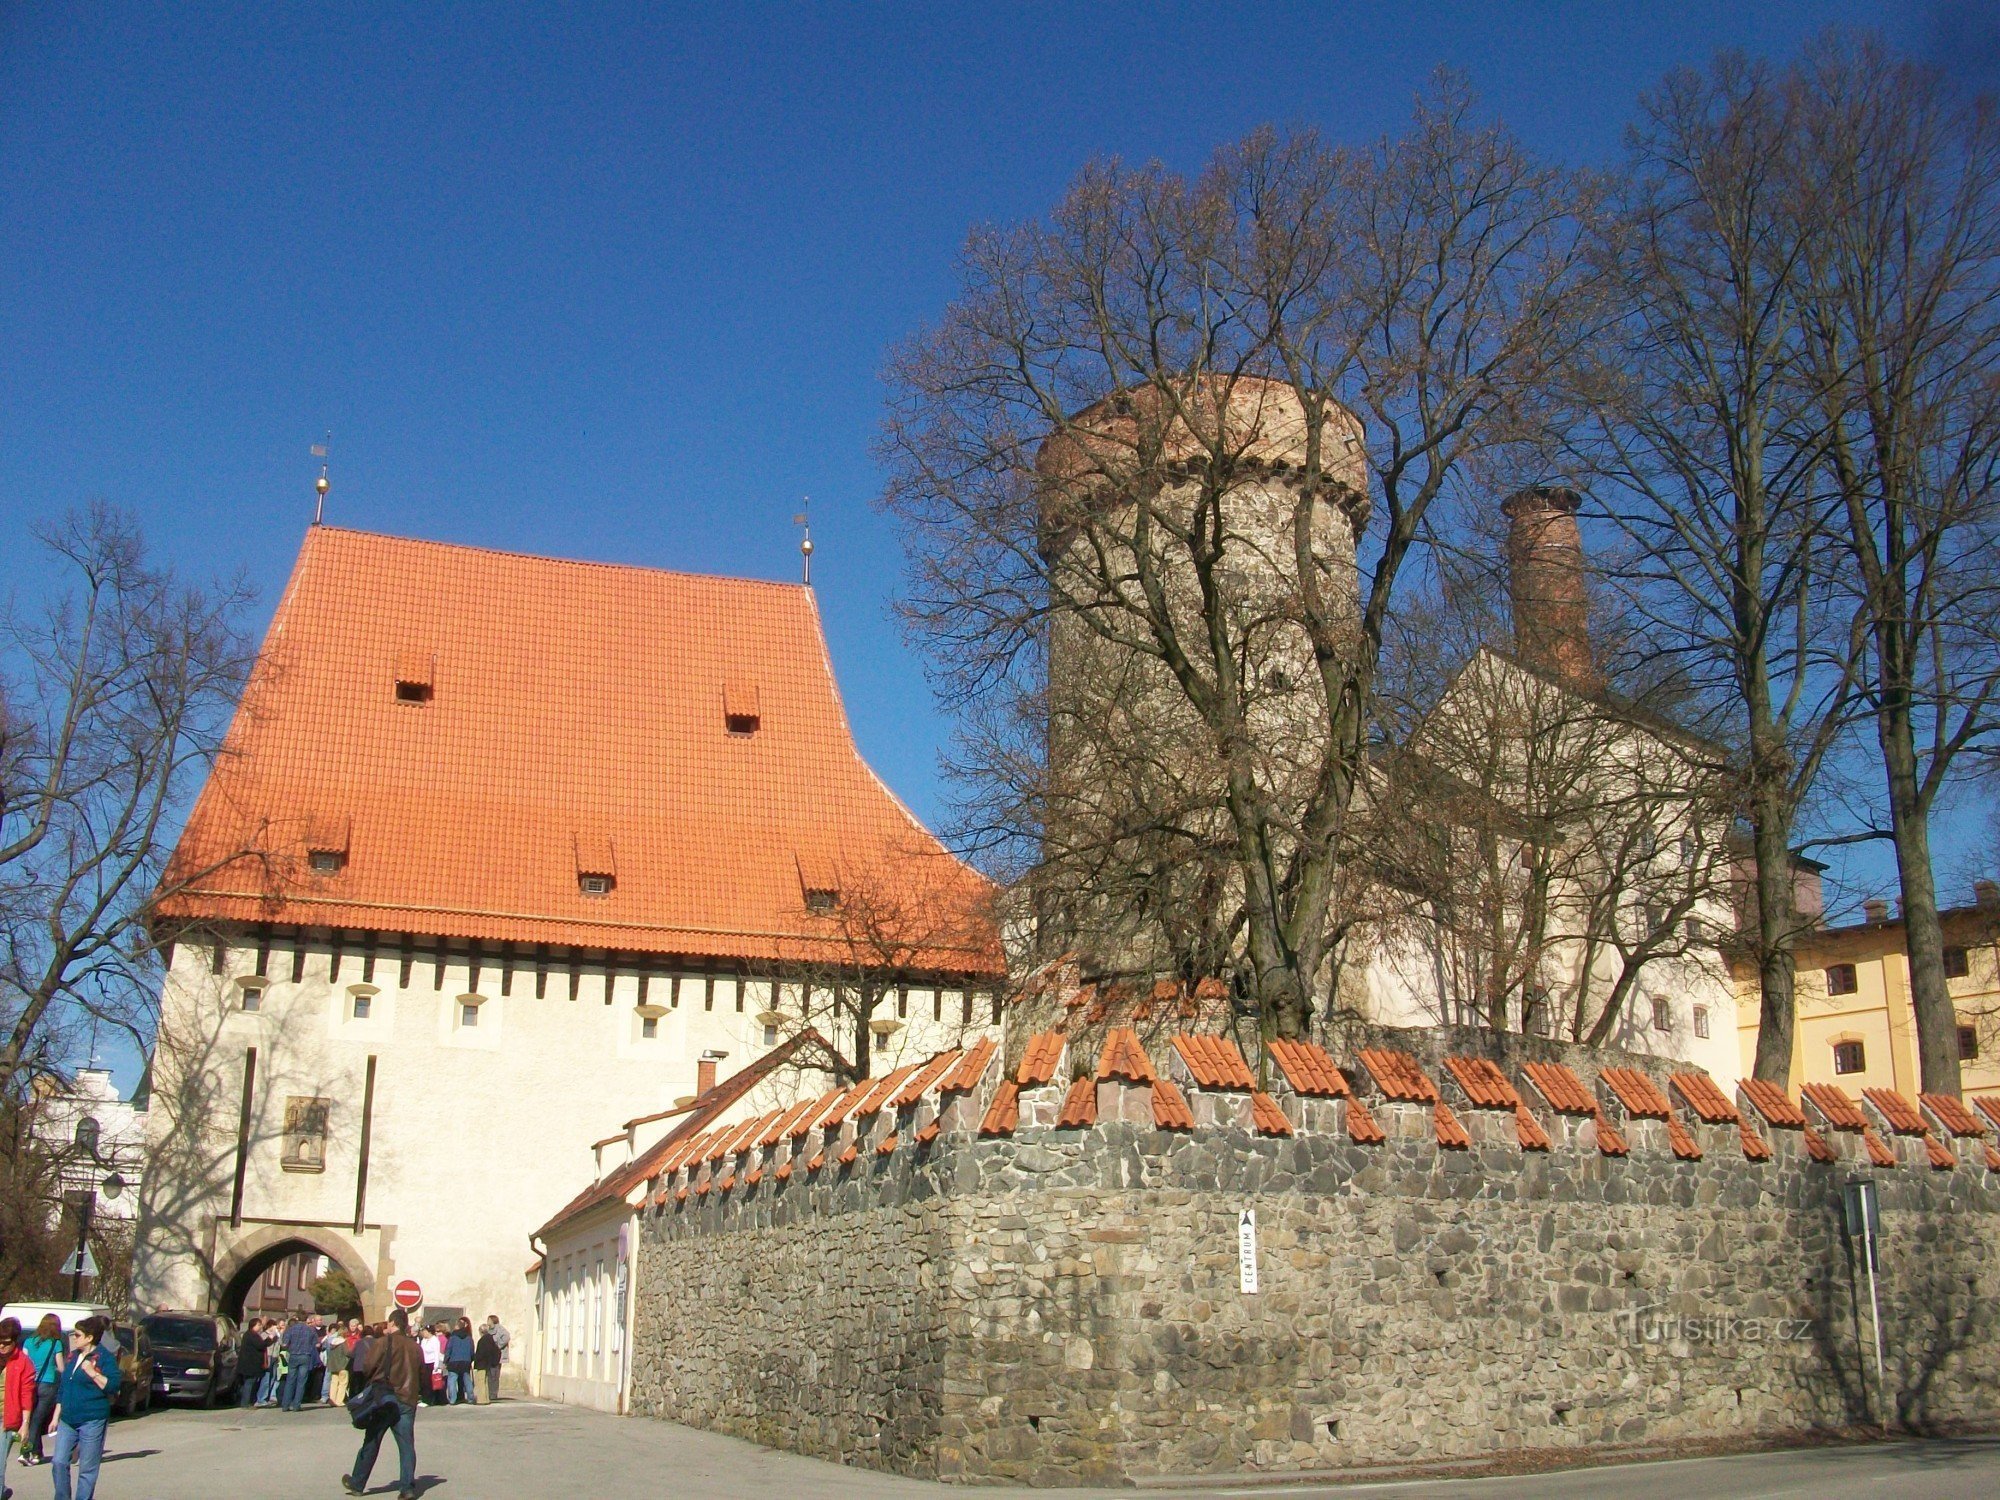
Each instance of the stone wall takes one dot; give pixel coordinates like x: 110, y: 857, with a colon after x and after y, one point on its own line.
x: 1064, y: 1305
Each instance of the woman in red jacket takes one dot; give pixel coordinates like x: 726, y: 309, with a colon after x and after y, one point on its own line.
x: 19, y: 1404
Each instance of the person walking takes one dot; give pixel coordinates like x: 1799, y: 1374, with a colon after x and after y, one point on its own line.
x: 458, y: 1363
x: 301, y: 1345
x: 394, y: 1360
x: 250, y: 1363
x: 432, y: 1346
x: 486, y: 1359
x: 19, y: 1398
x: 45, y: 1352
x: 335, y: 1351
x: 90, y: 1379
x: 501, y: 1339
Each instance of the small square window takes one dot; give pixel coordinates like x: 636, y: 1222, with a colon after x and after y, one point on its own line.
x: 1663, y: 1015
x: 1849, y: 1057
x: 649, y: 1026
x: 413, y: 692
x: 1968, y: 1044
x: 821, y: 900
x: 595, y: 885
x: 740, y: 724
x: 325, y: 861
x: 1957, y: 963
x: 252, y: 997
x: 1841, y: 979
x: 468, y: 1014
x: 1701, y: 1021
x: 362, y: 1005
x: 770, y: 1034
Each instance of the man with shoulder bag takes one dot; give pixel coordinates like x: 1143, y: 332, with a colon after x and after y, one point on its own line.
x: 390, y: 1377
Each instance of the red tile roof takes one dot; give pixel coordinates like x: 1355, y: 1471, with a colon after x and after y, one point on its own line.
x: 1992, y: 1159
x: 1878, y: 1150
x: 1638, y: 1093
x: 881, y: 1090
x: 1004, y: 1113
x: 575, y: 718
x: 1266, y: 1116
x: 1123, y: 1057
x: 1528, y: 1130
x: 1308, y: 1069
x: 971, y: 1067
x: 1989, y: 1106
x: 1710, y: 1105
x: 1950, y: 1112
x: 1835, y: 1105
x: 1816, y: 1145
x: 1170, y: 1108
x: 1609, y: 1141
x: 1079, y: 1106
x: 1681, y: 1141
x: 1214, y: 1062
x: 1755, y: 1147
x: 1942, y: 1156
x: 920, y: 1082
x: 888, y: 1146
x: 1563, y: 1089
x: 1397, y: 1075
x: 1898, y: 1111
x: 1772, y: 1102
x: 1038, y: 1062
x: 1450, y: 1134
x: 929, y: 1133
x: 1362, y: 1127
x: 1484, y: 1084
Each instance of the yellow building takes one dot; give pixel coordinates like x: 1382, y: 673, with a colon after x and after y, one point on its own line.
x: 1855, y: 1025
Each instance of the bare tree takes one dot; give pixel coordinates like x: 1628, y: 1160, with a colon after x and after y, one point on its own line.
x: 1135, y: 463
x: 116, y: 699
x: 1702, y: 436
x: 1901, y: 317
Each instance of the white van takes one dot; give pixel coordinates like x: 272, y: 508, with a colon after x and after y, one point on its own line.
x: 69, y: 1314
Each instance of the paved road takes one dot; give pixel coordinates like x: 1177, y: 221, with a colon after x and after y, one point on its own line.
x: 523, y: 1450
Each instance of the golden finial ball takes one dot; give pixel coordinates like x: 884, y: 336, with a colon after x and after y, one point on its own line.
x: 321, y: 485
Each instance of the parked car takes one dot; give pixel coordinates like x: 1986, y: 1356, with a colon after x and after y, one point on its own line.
x: 194, y: 1356
x: 135, y: 1364
x: 69, y: 1314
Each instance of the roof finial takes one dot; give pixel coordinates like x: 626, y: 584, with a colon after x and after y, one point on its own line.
x: 806, y: 542
x: 322, y: 484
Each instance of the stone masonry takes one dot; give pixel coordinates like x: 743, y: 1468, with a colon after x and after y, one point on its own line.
x: 937, y: 1275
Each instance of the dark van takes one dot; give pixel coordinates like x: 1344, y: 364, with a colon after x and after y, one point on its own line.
x: 194, y: 1356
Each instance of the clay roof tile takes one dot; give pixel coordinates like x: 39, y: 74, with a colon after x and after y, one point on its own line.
x: 1266, y: 1116
x: 881, y: 1090
x: 1450, y: 1134
x: 1683, y: 1143
x: 1079, y: 1106
x: 1638, y: 1093
x: 1897, y: 1111
x: 1003, y: 1115
x: 1563, y: 1090
x: 1397, y: 1075
x: 1609, y: 1141
x: 1989, y: 1106
x: 1362, y: 1127
x: 1835, y: 1106
x: 929, y: 1133
x: 1755, y: 1147
x: 1214, y: 1062
x: 1699, y: 1092
x: 1992, y: 1159
x: 1816, y: 1145
x: 1040, y: 1059
x: 970, y: 1068
x: 1170, y: 1108
x: 1123, y: 1057
x: 1878, y: 1150
x: 1952, y: 1115
x: 1528, y: 1130
x: 920, y: 1082
x: 1943, y: 1158
x: 1308, y: 1069
x: 1484, y: 1084
x: 1772, y: 1102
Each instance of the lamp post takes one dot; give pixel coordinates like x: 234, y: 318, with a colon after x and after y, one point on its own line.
x: 87, y: 1139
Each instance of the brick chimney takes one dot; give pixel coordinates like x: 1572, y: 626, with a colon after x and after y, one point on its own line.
x: 1545, y: 576
x: 1875, y: 909
x: 704, y: 1072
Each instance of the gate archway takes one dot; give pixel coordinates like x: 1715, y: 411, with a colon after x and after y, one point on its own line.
x: 250, y: 1258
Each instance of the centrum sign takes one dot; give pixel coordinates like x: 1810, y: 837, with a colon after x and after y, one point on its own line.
x: 1246, y: 1249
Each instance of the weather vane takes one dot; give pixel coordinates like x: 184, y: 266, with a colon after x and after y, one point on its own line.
x: 322, y: 484
x: 806, y: 542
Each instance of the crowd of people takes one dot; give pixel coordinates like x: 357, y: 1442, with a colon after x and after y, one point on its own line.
x: 305, y: 1360
x: 47, y: 1385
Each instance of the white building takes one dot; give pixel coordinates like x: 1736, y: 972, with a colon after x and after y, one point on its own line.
x: 499, y: 850
x: 96, y: 1138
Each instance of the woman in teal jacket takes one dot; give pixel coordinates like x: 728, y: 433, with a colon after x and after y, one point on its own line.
x: 90, y: 1379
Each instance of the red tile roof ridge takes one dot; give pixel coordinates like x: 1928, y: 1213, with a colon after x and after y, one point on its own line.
x: 1943, y: 1158
x: 1992, y: 1159
x: 1950, y: 1112
x: 1123, y: 1057
x: 1170, y: 1106
x: 1835, y: 1105
x: 882, y: 1090
x: 888, y: 1146
x: 1362, y: 1127
x: 1450, y: 1133
x: 1816, y: 1145
x: 1079, y: 1106
x: 1265, y: 1116
x: 1397, y: 1075
x: 1040, y: 1058
x: 926, y: 1075
x: 1486, y: 1087
x: 1563, y: 1090
x: 1878, y: 1150
x: 1989, y: 1106
x: 848, y: 1157
x: 1003, y: 1115
x: 818, y: 1161
x: 1755, y: 1147
x: 1528, y: 1130
x: 971, y: 1067
x: 1897, y: 1110
x: 816, y: 1111
x: 1683, y: 1144
x: 929, y: 1133
x: 1309, y: 1069
x: 1702, y: 1095
x: 838, y: 1111
x: 1772, y: 1102
x: 1214, y: 1062
x: 1609, y: 1141
x: 1638, y: 1093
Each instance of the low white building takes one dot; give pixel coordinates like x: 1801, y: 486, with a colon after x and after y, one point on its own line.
x: 96, y: 1139
x: 499, y: 850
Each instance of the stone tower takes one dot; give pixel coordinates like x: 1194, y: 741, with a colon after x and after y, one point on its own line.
x: 1546, y: 584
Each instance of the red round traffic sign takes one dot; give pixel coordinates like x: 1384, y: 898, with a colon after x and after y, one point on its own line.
x: 407, y: 1294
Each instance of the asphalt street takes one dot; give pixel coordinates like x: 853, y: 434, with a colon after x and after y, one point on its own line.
x: 525, y: 1450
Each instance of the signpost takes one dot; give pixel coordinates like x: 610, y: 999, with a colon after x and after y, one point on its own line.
x: 81, y: 1263
x: 1246, y: 1249
x: 409, y: 1296
x: 1864, y: 1218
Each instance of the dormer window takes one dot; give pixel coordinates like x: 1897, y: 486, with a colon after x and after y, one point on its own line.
x: 326, y: 861
x: 820, y: 900
x: 415, y: 671
x: 326, y: 844
x: 742, y: 708
x: 596, y: 885
x: 819, y: 883
x: 596, y: 864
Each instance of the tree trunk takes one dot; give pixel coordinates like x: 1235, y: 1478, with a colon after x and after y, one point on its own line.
x: 1923, y: 933
x: 1771, y: 848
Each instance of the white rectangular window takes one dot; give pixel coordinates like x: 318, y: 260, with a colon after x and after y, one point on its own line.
x: 468, y: 1015
x: 1701, y: 1021
x: 649, y: 1026
x: 362, y: 1005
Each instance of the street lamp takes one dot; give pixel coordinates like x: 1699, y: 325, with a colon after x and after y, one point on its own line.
x: 88, y: 1138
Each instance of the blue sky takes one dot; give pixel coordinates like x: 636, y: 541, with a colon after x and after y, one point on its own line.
x: 618, y: 282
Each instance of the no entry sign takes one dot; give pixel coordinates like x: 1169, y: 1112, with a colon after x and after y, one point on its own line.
x: 407, y: 1294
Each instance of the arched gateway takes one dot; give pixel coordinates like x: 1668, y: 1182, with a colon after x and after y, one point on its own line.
x: 238, y: 1269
